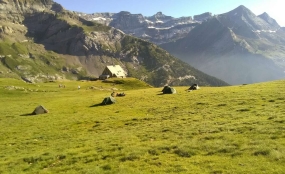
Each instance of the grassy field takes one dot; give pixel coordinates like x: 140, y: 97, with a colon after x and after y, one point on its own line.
x: 235, y: 129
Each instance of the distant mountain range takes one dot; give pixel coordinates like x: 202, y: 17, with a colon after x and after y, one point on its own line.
x: 237, y: 47
x: 158, y: 28
x: 41, y: 41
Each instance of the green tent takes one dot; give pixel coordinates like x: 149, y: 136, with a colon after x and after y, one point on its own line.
x: 108, y: 100
x: 168, y: 90
x: 40, y: 110
x: 194, y: 87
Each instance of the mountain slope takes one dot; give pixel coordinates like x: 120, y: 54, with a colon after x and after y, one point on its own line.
x: 48, y: 42
x: 237, y: 47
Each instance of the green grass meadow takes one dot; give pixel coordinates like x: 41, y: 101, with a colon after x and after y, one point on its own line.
x: 234, y: 129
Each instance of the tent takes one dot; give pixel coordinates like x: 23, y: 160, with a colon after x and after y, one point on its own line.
x: 194, y: 87
x: 40, y: 110
x: 108, y: 100
x: 168, y: 90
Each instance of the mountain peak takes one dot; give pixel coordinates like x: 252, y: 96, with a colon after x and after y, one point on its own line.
x: 244, y: 22
x: 124, y: 12
x: 240, y: 12
x: 241, y: 9
x: 264, y: 14
x: 159, y: 15
x: 269, y: 20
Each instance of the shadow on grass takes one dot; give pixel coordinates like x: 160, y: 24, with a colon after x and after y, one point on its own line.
x: 29, y: 114
x: 100, y: 104
x: 165, y: 94
x: 96, y: 105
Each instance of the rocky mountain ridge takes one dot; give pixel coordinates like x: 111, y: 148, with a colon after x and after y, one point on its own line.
x: 42, y: 41
x: 158, y: 28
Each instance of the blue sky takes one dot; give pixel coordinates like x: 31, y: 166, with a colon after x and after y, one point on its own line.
x: 177, y: 8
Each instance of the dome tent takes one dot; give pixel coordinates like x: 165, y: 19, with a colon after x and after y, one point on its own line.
x: 39, y: 110
x: 194, y: 87
x: 168, y: 90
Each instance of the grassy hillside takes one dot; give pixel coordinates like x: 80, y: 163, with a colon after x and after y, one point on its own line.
x: 236, y: 129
